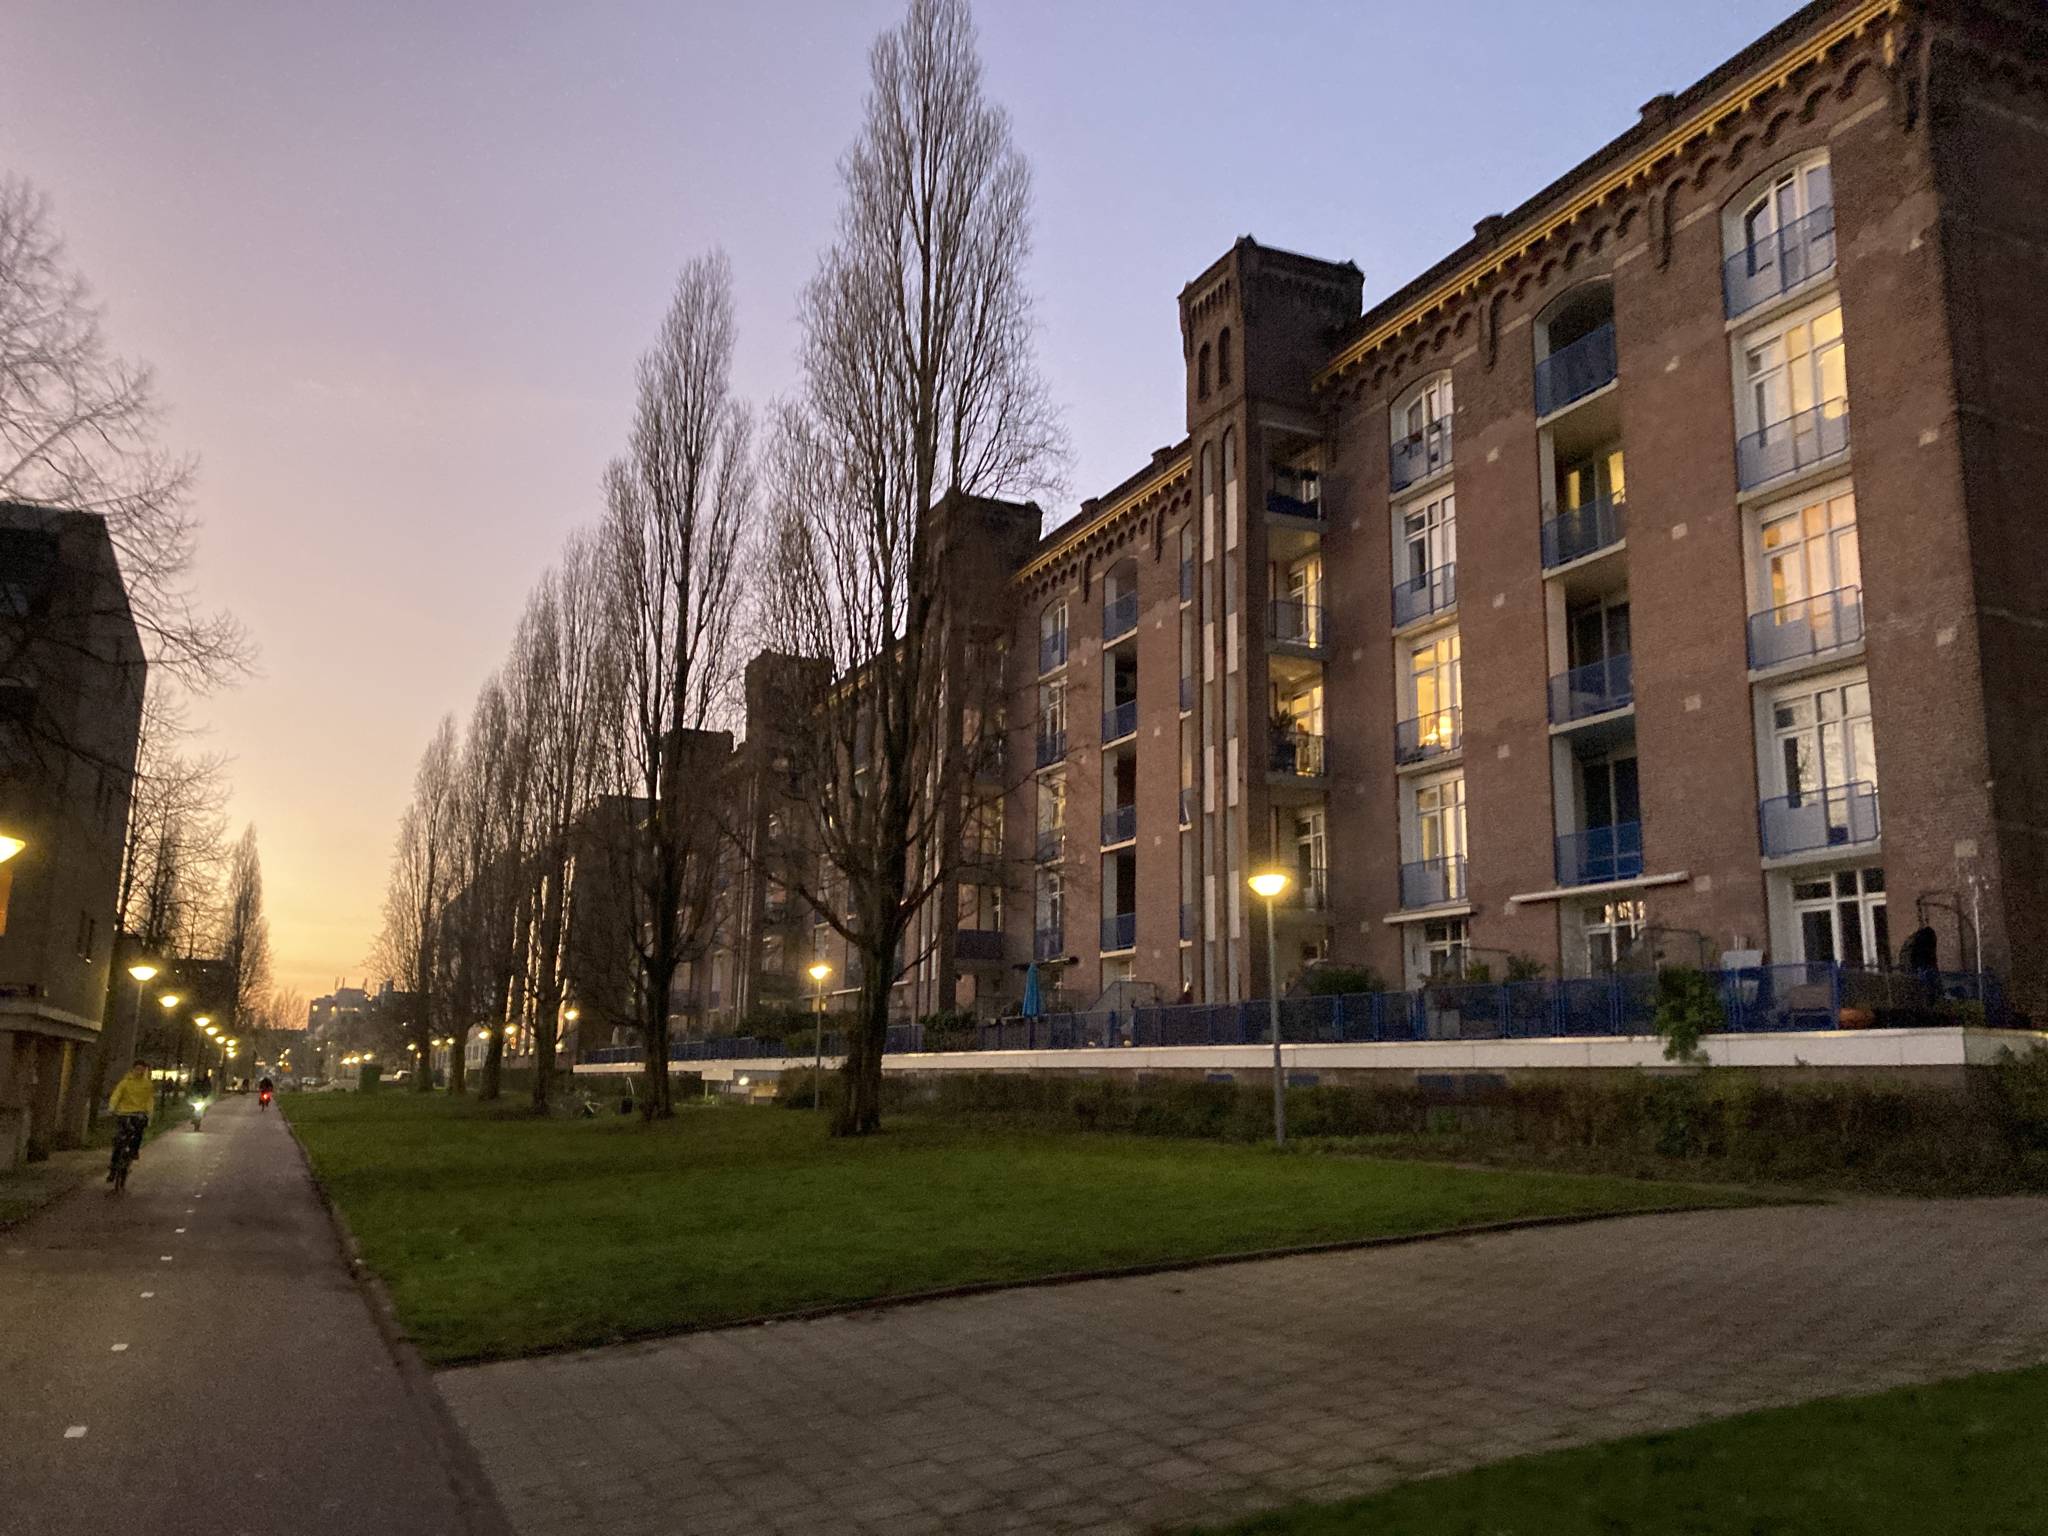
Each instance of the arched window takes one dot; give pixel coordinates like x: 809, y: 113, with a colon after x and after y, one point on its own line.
x: 1778, y: 232
x: 1052, y: 636
x: 1420, y: 425
x: 1575, y: 352
x: 1223, y: 358
x: 1202, y: 373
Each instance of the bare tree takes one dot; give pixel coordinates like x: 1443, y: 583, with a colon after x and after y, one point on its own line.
x: 921, y: 388
x: 484, y: 881
x: 245, y: 933
x: 408, y: 949
x: 675, y: 507
x: 566, y: 693
x: 176, y: 839
x: 78, y: 430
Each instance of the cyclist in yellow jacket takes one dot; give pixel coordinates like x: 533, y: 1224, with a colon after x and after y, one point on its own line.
x: 130, y: 1104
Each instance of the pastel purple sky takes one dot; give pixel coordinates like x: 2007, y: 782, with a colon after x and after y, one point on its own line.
x: 393, y: 263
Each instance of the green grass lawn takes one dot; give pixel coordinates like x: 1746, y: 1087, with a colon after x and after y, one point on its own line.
x: 502, y: 1236
x: 1963, y: 1456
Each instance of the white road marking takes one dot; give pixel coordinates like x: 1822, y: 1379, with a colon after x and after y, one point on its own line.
x: 75, y: 1432
x: 148, y: 1295
x: 176, y: 1230
x: 119, y: 1347
x: 163, y: 1258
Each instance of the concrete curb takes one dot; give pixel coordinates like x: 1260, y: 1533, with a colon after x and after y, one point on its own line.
x: 475, y: 1494
x: 643, y: 1342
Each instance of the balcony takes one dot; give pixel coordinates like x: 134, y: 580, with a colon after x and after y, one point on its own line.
x: 1779, y: 262
x: 1048, y: 943
x: 1120, y: 932
x: 1575, y: 371
x: 1420, y: 455
x: 1841, y: 816
x: 1811, y: 627
x: 1309, y: 891
x: 1296, y: 494
x: 1798, y: 442
x: 1600, y: 854
x: 1597, y: 688
x: 1119, y: 722
x: 1583, y: 531
x: 1187, y: 695
x: 978, y: 946
x: 1294, y: 624
x: 1188, y: 801
x: 1297, y: 754
x: 1119, y: 617
x: 1187, y: 581
x: 1434, y: 882
x: 1052, y: 746
x: 1052, y: 652
x: 1417, y: 597
x: 1052, y: 842
x: 1190, y: 924
x: 1434, y: 735
x: 1119, y: 825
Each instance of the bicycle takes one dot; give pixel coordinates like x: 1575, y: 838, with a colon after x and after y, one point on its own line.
x: 128, y: 1131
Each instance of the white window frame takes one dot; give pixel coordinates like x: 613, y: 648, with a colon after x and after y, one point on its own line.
x: 1861, y: 905
x: 1805, y: 381
x: 1741, y: 224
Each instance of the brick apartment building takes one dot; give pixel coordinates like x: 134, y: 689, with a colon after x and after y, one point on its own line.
x: 1558, y: 605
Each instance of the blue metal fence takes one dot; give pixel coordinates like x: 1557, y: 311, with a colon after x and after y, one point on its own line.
x: 1436, y: 734
x: 1420, y: 454
x: 1594, y: 689
x: 1575, y: 371
x: 1795, y: 443
x: 1052, y: 651
x: 1291, y: 621
x: 1119, y: 825
x: 1600, y: 854
x: 1839, y: 816
x: 1759, y: 1000
x: 1417, y: 597
x: 1813, y: 626
x: 1119, y: 931
x: 1119, y: 721
x: 1119, y: 616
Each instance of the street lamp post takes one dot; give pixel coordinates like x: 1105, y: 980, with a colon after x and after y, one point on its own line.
x: 818, y: 971
x: 1270, y: 885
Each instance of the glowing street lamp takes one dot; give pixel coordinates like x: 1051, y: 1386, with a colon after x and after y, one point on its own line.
x: 818, y: 970
x: 169, y: 1000
x: 10, y: 845
x: 1269, y: 885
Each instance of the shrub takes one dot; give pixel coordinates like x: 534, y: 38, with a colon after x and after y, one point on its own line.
x: 1341, y: 980
x: 1688, y: 1006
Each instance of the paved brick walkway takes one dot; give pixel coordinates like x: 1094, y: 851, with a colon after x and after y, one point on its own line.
x: 1124, y: 1405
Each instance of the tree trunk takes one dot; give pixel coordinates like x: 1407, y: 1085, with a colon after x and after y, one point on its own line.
x: 458, y: 1072
x: 423, y: 1037
x: 548, y: 1012
x: 860, y: 1106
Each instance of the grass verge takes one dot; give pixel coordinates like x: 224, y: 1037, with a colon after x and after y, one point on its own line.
x: 1958, y: 1456
x: 503, y: 1235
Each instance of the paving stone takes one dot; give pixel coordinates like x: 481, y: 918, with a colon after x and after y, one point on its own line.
x: 1126, y: 1405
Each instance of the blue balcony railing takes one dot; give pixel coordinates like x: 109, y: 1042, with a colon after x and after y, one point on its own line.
x: 1119, y: 825
x: 1432, y: 882
x: 1047, y: 943
x: 1187, y: 581
x: 1593, y: 689
x: 1189, y: 799
x: 1052, y: 842
x: 1841, y: 816
x: 1813, y: 626
x: 1779, y: 262
x: 1297, y: 753
x: 1437, y: 734
x: 1798, y: 442
x: 1574, y: 372
x: 1052, y: 746
x: 1190, y: 926
x: 1120, y: 721
x: 1119, y: 931
x: 1292, y: 622
x: 1052, y: 652
x: 1187, y: 694
x: 1417, y: 597
x: 1600, y: 854
x: 1420, y: 454
x: 1297, y: 498
x: 1582, y: 531
x: 1119, y: 616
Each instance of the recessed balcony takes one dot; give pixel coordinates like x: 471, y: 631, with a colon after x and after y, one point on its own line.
x: 1052, y: 652
x: 1052, y: 746
x: 1120, y: 722
x: 1573, y: 372
x: 1598, y: 688
x: 1119, y: 825
x: 1819, y: 820
x: 1419, y: 597
x: 1600, y: 855
x: 1573, y: 535
x: 1420, y: 455
x: 1119, y: 617
x: 1309, y: 891
x: 1048, y: 943
x: 1295, y: 626
x: 1813, y: 626
x: 978, y: 946
x: 1190, y: 925
x: 1438, y: 882
x: 1187, y: 695
x: 1296, y: 754
x: 1296, y: 493
x: 1428, y: 737
x: 1189, y: 799
x: 1798, y: 442
x: 1052, y: 842
x: 1779, y: 262
x: 1187, y: 581
x: 1119, y: 932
